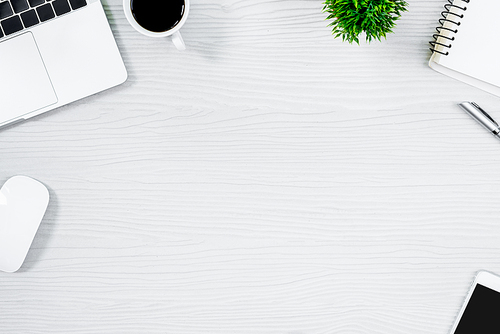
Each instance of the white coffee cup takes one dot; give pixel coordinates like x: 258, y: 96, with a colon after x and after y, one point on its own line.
x: 173, y: 31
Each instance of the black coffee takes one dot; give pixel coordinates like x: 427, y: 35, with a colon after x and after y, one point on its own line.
x: 157, y: 15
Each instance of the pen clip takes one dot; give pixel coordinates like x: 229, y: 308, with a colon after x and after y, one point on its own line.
x: 485, y: 114
x: 481, y: 116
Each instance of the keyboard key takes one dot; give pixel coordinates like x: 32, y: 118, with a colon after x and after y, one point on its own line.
x: 12, y: 25
x: 75, y: 4
x: 34, y: 3
x: 29, y: 18
x: 61, y: 7
x: 19, y: 5
x: 1, y: 33
x: 45, y: 12
x: 5, y: 10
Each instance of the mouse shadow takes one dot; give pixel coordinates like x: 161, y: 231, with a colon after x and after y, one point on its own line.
x: 43, y: 235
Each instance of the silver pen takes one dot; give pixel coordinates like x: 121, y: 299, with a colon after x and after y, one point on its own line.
x: 482, y: 117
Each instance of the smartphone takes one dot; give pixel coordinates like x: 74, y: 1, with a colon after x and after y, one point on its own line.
x: 481, y: 310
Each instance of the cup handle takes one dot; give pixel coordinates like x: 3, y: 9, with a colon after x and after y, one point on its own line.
x: 178, y: 41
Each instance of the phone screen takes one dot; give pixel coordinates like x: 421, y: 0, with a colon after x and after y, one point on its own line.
x: 482, y: 313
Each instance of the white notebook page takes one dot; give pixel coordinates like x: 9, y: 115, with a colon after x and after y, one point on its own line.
x: 476, y: 48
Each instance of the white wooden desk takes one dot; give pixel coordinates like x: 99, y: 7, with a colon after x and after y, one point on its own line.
x: 269, y: 179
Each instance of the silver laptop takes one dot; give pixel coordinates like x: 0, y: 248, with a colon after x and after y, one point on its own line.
x: 53, y: 52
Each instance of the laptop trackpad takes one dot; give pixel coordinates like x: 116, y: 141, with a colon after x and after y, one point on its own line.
x: 24, y: 83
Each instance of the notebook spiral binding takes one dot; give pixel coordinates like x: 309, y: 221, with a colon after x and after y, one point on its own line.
x: 451, y: 17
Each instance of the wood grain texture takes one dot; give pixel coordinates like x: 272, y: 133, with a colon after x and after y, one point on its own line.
x: 269, y: 179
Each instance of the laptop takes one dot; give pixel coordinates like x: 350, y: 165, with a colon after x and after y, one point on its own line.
x: 54, y: 52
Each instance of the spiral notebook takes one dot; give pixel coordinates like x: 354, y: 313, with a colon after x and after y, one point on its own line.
x: 467, y: 43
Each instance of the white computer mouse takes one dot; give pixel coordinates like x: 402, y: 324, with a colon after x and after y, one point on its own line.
x: 23, y: 202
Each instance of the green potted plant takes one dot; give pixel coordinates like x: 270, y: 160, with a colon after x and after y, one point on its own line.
x: 352, y: 17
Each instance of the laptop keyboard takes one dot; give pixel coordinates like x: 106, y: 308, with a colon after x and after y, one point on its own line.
x: 16, y: 15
